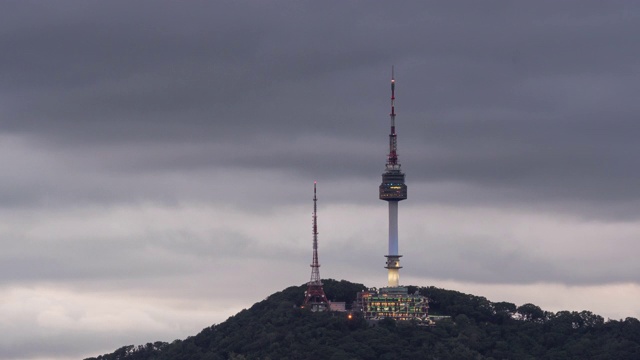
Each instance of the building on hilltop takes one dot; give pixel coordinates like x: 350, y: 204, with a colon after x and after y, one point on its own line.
x: 392, y: 303
x: 339, y: 306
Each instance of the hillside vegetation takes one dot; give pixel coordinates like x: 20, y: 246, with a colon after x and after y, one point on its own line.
x: 276, y: 328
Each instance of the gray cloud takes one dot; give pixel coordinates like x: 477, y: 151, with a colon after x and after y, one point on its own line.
x: 148, y: 143
x: 534, y: 97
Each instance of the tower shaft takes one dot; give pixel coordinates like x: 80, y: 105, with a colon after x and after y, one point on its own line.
x: 393, y: 190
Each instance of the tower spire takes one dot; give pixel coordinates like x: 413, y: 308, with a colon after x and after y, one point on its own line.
x: 392, y: 158
x: 314, y: 296
x: 315, y: 266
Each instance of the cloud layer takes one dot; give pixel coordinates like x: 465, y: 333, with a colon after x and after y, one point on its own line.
x: 158, y: 157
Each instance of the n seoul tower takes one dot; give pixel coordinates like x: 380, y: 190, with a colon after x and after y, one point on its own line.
x: 393, y: 190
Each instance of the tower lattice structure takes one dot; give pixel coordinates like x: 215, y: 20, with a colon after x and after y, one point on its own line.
x: 393, y: 190
x: 315, y: 297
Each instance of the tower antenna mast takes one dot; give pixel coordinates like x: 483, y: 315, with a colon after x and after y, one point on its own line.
x: 315, y: 296
x: 392, y: 159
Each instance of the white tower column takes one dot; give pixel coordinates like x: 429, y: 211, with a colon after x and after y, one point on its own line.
x: 393, y: 259
x: 393, y: 228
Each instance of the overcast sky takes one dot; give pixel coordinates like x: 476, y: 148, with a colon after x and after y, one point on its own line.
x: 158, y: 158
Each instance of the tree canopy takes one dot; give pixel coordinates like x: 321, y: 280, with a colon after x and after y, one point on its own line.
x: 276, y: 328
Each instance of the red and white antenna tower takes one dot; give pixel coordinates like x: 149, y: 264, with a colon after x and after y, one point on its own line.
x: 314, y: 296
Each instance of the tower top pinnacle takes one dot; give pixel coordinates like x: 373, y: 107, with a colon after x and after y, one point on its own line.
x: 392, y: 158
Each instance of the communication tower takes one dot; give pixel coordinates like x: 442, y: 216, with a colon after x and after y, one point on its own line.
x: 314, y: 297
x: 393, y: 190
x: 393, y: 301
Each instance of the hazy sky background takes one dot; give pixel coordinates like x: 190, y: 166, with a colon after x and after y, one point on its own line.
x: 158, y: 158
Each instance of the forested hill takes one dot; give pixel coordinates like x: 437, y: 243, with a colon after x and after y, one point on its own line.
x: 276, y: 328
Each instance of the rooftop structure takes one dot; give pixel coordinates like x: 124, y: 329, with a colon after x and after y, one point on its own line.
x: 392, y: 303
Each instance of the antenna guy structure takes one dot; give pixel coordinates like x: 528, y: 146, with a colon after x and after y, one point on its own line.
x: 315, y: 297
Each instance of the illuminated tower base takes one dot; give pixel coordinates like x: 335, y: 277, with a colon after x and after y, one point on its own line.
x: 393, y: 264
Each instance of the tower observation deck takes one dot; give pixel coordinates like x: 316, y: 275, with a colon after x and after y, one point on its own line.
x: 393, y: 190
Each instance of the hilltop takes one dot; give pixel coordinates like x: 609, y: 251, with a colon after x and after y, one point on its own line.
x: 276, y: 328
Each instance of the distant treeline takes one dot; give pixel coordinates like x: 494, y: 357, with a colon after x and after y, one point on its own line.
x: 276, y: 328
